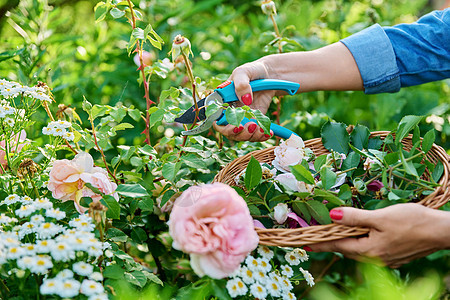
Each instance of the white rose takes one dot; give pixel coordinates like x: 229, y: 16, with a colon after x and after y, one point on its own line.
x: 289, y: 181
x: 280, y: 212
x: 289, y: 153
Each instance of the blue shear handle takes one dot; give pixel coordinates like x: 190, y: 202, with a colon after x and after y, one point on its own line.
x: 229, y: 95
x: 278, y: 130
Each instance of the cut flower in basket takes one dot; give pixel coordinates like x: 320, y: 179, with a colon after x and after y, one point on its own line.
x: 359, y: 170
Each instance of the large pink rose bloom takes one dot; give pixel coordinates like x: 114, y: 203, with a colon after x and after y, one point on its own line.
x: 68, y: 177
x: 213, y: 223
x: 16, y: 144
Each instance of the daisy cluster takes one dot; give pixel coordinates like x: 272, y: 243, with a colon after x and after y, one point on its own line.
x: 11, y: 89
x: 59, y: 129
x: 35, y: 238
x: 258, y: 278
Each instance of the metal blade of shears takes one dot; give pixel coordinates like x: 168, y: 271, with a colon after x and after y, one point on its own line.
x: 189, y: 115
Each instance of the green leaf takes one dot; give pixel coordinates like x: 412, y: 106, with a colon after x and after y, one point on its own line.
x: 345, y: 192
x: 329, y: 197
x: 138, y: 33
x: 302, y: 174
x: 406, y: 124
x: 375, y: 143
x: 98, y: 111
x: 438, y: 171
x: 262, y: 119
x: 116, y: 13
x: 193, y: 161
x: 113, y: 271
x: 318, y: 163
x: 253, y: 174
x: 118, y: 113
x: 101, y: 9
x: 328, y: 178
x: 156, y: 116
x: 360, y: 137
x: 166, y: 197
x: 87, y: 106
x: 135, y: 114
x: 10, y: 54
x: 134, y: 190
x: 416, y: 135
x: 234, y: 115
x: 212, y: 108
x: 391, y: 158
x: 170, y: 170
x: 428, y: 141
x: 351, y: 161
x: 152, y: 277
x: 335, y: 137
x: 408, y: 165
x: 319, y: 211
x: 138, y: 235
x: 116, y: 235
x: 146, y: 204
x: 136, y: 277
x: 301, y: 209
x: 112, y: 205
x: 123, y: 126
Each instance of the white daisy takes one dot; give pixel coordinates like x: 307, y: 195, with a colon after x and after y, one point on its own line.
x: 287, y: 271
x: 65, y: 274
x: 9, y: 121
x: 11, y: 199
x: 82, y: 268
x: 252, y: 263
x: 50, y: 286
x: 43, y: 203
x: 258, y: 291
x: 26, y: 228
x: 62, y: 252
x: 91, y: 287
x: 97, y: 276
x: 25, y: 210
x: 68, y: 136
x: 308, y: 277
x: 29, y: 248
x: 248, y: 275
x: 55, y: 213
x: 292, y: 258
x: 289, y: 296
x: 261, y: 277
x: 264, y: 265
x: 103, y: 296
x: 37, y: 219
x: 44, y: 246
x: 69, y: 289
x: 302, y: 254
x: 26, y: 262
x: 265, y: 252
x: 236, y: 287
x: 41, y: 264
x: 48, y: 230
x: 286, y: 284
x: 4, y: 219
x: 26, y: 200
x: 274, y: 288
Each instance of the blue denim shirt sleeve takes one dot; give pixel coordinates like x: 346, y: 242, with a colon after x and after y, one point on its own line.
x: 403, y: 55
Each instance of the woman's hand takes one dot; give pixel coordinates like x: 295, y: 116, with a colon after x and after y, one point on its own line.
x: 259, y: 100
x: 398, y: 233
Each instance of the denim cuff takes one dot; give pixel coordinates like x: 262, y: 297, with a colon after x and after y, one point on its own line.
x: 376, y: 60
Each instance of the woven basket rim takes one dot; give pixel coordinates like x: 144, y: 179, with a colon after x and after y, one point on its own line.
x: 321, y: 233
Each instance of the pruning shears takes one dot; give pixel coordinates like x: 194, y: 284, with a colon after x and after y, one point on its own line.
x: 225, y: 93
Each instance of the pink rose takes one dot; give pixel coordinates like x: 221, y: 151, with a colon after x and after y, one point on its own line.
x: 289, y: 153
x: 147, y: 58
x: 16, y: 144
x: 213, y: 224
x: 68, y: 177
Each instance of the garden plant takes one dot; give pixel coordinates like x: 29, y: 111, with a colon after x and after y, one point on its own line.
x: 103, y: 197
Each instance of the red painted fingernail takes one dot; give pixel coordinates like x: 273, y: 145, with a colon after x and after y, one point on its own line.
x: 336, y: 214
x: 267, y: 135
x: 262, y: 130
x: 238, y: 129
x: 247, y: 99
x: 252, y: 128
x: 306, y: 248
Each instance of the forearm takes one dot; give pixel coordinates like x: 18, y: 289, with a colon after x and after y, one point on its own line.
x: 328, y: 68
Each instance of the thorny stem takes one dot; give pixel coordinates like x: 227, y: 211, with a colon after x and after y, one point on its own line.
x: 101, y: 150
x: 144, y: 81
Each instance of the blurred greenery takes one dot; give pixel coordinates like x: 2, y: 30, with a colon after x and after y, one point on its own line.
x: 59, y: 42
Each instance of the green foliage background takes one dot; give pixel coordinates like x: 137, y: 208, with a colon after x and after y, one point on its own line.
x: 59, y: 42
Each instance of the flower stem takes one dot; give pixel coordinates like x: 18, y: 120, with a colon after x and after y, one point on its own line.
x: 101, y: 150
x: 144, y: 81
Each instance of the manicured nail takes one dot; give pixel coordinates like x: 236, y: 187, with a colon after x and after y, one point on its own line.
x: 267, y: 136
x: 247, y: 99
x: 252, y: 127
x: 336, y: 214
x: 238, y: 129
x: 306, y: 248
x: 262, y: 130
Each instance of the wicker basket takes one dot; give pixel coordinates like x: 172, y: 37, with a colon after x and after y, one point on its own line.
x: 322, y: 233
